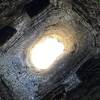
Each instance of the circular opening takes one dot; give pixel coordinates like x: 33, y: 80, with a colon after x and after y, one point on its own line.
x: 49, y: 48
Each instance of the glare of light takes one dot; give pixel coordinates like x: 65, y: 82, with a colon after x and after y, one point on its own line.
x: 44, y: 53
x: 50, y: 47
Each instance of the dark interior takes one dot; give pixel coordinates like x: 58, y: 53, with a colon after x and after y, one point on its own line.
x: 89, y: 89
x: 36, y: 6
x: 6, y: 33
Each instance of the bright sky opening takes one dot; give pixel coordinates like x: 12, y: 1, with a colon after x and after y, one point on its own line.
x: 46, y: 52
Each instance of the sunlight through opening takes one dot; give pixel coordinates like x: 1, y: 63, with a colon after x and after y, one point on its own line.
x: 46, y: 52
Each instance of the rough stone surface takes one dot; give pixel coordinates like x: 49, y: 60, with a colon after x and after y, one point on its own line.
x: 18, y: 82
